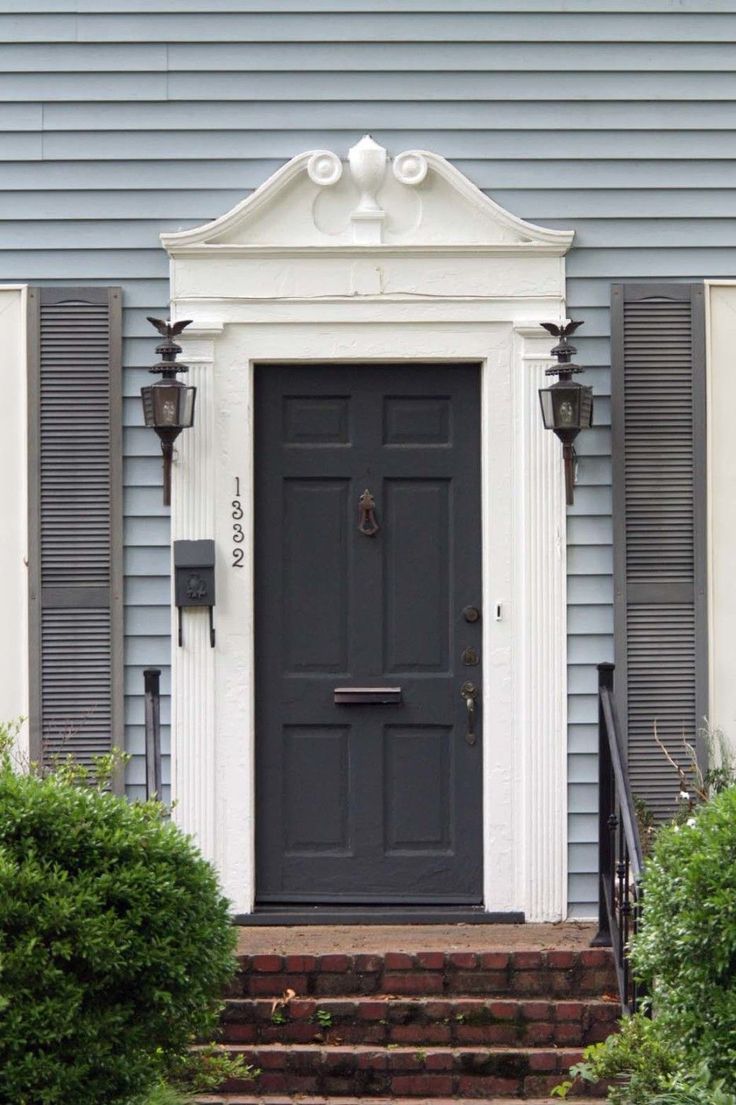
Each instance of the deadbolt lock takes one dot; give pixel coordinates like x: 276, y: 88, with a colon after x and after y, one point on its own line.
x: 471, y: 613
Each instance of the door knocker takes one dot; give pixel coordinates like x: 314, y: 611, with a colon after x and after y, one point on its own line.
x: 367, y: 523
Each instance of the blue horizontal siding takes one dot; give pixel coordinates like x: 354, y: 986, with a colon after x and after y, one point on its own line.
x: 413, y: 85
x: 145, y: 175
x: 416, y: 7
x: 279, y: 27
x: 471, y: 144
x: 125, y: 118
x: 338, y: 114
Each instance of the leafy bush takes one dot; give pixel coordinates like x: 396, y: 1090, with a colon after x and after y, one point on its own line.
x: 636, y: 1061
x: 686, y: 949
x: 163, y: 1094
x: 686, y: 954
x: 643, y: 1067
x: 695, y: 1089
x: 114, y: 942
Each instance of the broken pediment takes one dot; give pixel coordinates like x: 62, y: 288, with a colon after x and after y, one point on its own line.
x: 416, y: 200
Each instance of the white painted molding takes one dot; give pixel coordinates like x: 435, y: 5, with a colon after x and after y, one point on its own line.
x: 720, y: 334
x: 411, y: 167
x: 483, y: 223
x: 541, y: 640
x: 362, y: 249
x: 14, y: 499
x: 324, y: 168
x: 368, y: 163
x: 194, y: 713
x: 297, y: 296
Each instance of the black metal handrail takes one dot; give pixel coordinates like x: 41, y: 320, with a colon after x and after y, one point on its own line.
x: 619, y: 845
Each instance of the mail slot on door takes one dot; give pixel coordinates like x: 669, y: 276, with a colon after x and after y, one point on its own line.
x: 367, y: 696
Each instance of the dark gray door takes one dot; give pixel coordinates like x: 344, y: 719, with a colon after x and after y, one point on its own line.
x: 375, y: 803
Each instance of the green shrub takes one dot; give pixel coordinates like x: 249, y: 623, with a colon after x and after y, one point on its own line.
x: 114, y: 943
x: 642, y: 1066
x: 686, y: 950
x: 163, y: 1094
x: 636, y: 1061
x: 694, y: 1089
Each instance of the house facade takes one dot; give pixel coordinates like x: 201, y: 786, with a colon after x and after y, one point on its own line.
x: 366, y: 211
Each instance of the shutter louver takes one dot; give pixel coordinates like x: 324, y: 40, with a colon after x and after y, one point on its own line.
x: 75, y: 411
x: 658, y: 390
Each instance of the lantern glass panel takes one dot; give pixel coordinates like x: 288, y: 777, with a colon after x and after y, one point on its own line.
x: 166, y: 399
x: 586, y: 408
x: 148, y: 414
x: 187, y: 406
x: 545, y: 398
x: 566, y: 407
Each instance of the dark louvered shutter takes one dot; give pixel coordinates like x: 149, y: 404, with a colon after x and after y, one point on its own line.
x: 658, y: 394
x: 75, y: 538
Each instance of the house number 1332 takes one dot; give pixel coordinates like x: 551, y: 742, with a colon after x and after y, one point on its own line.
x: 238, y: 535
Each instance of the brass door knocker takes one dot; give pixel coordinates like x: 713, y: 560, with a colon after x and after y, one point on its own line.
x: 367, y: 523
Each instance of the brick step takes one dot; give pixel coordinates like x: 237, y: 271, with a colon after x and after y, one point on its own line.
x: 456, y: 1020
x: 431, y: 1072
x: 285, y: 1099
x: 549, y: 974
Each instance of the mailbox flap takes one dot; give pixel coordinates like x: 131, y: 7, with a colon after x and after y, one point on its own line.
x: 194, y: 554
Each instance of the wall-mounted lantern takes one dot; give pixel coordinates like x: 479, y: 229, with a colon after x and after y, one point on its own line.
x: 168, y: 405
x: 567, y: 407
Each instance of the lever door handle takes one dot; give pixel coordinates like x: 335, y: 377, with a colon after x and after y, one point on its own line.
x: 469, y: 691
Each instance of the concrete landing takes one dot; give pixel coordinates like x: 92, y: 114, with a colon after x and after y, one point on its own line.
x: 377, y: 939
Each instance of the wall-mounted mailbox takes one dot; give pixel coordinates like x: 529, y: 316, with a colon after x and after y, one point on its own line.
x: 367, y: 696
x: 194, y: 579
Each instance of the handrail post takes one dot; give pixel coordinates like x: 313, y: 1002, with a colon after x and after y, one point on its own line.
x: 151, y: 679
x: 605, y: 807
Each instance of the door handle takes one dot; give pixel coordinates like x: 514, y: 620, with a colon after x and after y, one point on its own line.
x: 469, y: 692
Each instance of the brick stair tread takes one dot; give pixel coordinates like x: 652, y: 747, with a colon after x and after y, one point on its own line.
x: 400, y: 1048
x: 326, y: 1000
x: 395, y: 960
x: 310, y: 1099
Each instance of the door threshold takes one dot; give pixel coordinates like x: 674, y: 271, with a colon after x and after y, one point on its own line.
x: 376, y: 915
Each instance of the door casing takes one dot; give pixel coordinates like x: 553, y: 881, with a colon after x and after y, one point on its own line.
x: 524, y: 638
x: 441, y: 273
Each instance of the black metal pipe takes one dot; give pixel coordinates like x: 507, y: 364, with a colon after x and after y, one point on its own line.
x: 152, y: 685
x: 605, y: 809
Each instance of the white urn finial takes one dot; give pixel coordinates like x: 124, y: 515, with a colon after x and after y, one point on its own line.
x: 368, y: 162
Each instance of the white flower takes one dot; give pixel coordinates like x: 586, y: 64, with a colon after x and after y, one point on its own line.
x: 685, y: 795
x: 691, y: 821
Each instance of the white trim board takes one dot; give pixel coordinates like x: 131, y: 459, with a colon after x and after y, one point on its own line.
x: 14, y: 497
x: 373, y: 262
x: 720, y: 334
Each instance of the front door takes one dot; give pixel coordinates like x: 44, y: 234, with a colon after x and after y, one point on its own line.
x: 368, y: 634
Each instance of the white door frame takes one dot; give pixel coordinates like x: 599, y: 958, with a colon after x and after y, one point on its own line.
x: 475, y: 297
